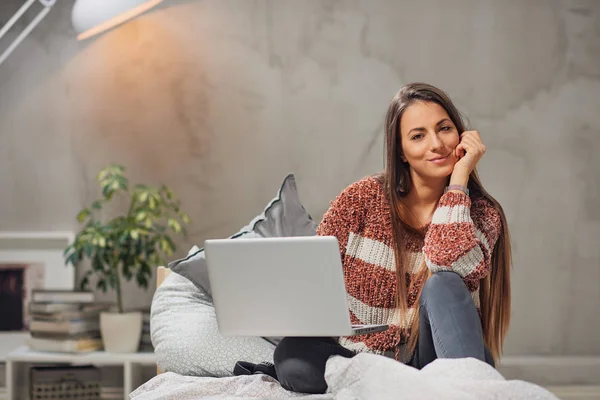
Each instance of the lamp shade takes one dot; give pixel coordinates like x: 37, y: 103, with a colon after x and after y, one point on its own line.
x: 91, y: 17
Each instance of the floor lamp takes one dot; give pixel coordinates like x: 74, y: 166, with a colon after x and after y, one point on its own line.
x: 89, y: 17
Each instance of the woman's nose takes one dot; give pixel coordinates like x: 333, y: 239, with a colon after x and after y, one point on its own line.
x: 436, y: 143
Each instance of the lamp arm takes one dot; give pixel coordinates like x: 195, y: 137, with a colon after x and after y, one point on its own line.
x: 47, y: 5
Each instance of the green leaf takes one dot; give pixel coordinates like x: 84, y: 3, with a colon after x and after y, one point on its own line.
x: 72, y: 259
x: 97, y: 263
x: 184, y: 217
x: 123, y: 182
x: 174, y: 225
x: 102, y: 285
x: 107, y: 192
x: 144, y: 196
x: 155, y: 260
x: 68, y: 250
x: 84, y: 283
x: 112, y: 279
x: 127, y: 267
x: 142, y: 281
x: 83, y: 214
x: 135, y: 234
x: 166, y: 245
x: 87, y: 249
x: 69, y: 254
x: 97, y: 205
x: 140, y: 216
x: 144, y: 272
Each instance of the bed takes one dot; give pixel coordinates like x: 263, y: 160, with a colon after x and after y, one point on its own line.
x: 365, y: 376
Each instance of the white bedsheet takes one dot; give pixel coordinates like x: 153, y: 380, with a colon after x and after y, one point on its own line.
x: 365, y: 376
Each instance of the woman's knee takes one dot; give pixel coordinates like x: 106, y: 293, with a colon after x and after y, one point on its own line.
x: 300, y: 363
x: 298, y: 375
x: 444, y: 286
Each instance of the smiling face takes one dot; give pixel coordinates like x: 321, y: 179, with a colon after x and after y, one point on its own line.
x: 428, y: 138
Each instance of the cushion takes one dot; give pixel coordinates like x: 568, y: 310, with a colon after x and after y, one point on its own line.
x: 183, y: 322
x: 283, y: 216
x: 185, y: 335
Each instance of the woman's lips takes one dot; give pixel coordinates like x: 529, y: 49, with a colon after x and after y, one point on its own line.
x: 440, y: 160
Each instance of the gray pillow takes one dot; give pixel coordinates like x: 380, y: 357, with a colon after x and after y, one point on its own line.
x: 284, y: 216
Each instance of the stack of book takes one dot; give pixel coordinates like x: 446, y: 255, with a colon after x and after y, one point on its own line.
x: 64, y: 321
x: 145, y: 341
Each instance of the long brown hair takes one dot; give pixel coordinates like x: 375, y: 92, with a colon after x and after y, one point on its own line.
x: 396, y: 178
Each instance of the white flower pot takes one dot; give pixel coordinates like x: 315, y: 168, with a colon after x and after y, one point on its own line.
x: 121, y: 333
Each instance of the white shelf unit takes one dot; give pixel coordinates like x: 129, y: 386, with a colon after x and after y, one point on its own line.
x: 18, y: 362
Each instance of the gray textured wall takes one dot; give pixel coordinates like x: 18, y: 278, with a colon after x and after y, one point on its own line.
x: 220, y: 99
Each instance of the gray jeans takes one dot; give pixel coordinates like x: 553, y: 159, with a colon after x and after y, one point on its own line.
x: 449, y: 327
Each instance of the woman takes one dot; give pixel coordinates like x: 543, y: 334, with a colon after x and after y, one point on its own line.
x: 424, y: 247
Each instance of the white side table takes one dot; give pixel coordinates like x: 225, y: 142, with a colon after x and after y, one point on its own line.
x: 17, y: 375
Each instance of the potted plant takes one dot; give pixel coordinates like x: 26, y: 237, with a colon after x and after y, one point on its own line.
x: 126, y: 246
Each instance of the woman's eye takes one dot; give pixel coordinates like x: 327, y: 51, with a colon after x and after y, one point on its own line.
x: 446, y: 128
x: 416, y: 137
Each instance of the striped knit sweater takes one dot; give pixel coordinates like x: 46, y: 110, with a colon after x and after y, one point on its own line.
x: 460, y: 238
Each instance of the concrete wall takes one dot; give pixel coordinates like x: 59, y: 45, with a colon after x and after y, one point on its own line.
x: 220, y: 99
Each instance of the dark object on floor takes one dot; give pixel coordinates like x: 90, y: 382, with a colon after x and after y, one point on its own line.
x: 248, y: 368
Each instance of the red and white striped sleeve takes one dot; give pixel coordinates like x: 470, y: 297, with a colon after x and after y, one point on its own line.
x: 462, y: 236
x: 344, y: 214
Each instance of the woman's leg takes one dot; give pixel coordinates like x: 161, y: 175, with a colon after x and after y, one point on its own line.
x: 300, y: 362
x: 449, y: 325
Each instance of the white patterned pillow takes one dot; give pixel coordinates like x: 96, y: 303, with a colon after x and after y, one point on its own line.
x: 186, y: 338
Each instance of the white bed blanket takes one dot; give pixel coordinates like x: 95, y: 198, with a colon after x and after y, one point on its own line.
x: 365, y: 376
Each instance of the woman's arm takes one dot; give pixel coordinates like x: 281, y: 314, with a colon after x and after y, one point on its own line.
x: 461, y: 242
x: 344, y: 215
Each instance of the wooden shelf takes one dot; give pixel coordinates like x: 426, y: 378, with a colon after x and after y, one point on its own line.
x: 18, y: 361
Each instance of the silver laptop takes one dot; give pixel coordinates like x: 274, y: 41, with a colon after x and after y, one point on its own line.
x: 291, y: 286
